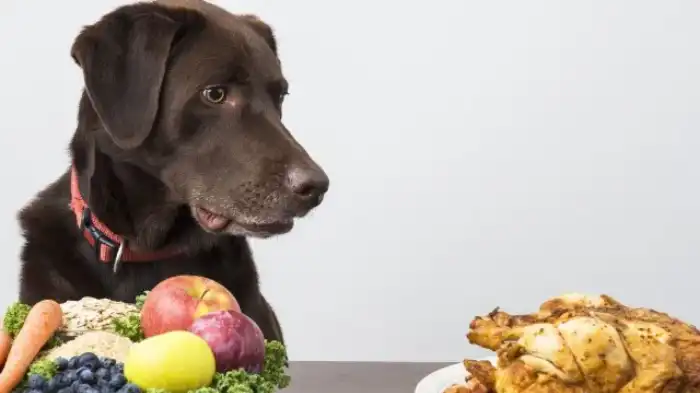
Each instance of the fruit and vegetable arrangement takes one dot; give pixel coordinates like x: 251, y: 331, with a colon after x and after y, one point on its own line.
x: 187, y: 335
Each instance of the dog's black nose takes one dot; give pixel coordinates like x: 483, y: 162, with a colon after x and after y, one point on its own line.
x: 308, y: 184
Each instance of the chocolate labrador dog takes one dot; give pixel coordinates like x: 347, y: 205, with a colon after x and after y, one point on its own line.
x: 179, y: 154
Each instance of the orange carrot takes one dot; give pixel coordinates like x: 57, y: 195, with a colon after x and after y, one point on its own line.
x: 41, y: 323
x: 5, y: 344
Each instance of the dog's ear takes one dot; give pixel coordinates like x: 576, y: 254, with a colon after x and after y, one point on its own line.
x: 124, y: 58
x: 263, y: 29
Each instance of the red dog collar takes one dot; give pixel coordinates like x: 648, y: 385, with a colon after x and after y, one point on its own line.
x: 108, y: 246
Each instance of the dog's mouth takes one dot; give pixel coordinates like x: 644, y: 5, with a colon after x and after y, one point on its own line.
x: 211, y: 221
x: 217, y: 223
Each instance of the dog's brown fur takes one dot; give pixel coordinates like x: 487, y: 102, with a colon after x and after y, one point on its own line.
x: 152, y: 148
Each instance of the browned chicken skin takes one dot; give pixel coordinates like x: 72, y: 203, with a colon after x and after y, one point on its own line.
x: 583, y: 344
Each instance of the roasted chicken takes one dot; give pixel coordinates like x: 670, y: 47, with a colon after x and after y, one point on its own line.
x: 584, y: 344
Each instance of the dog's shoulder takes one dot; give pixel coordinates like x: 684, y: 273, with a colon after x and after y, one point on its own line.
x: 48, y: 257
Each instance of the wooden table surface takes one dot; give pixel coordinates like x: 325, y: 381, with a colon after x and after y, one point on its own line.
x: 357, y: 377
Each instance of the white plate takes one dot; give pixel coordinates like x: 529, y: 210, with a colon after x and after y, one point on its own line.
x: 445, y: 377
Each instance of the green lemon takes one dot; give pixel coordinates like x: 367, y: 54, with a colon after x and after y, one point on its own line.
x: 176, y: 361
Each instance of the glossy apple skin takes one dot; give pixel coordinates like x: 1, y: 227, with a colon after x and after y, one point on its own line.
x: 175, y: 303
x: 235, y: 339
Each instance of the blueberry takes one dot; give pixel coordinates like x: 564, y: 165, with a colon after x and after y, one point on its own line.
x: 117, y: 381
x: 131, y: 388
x: 91, y: 364
x: 74, y: 386
x: 88, y: 357
x: 92, y: 390
x: 54, y: 383
x: 72, y: 363
x: 71, y: 375
x: 88, y: 360
x: 36, y: 381
x: 87, y: 376
x: 65, y: 390
x: 83, y: 388
x: 106, y: 389
x: 51, y: 386
x: 102, y: 373
x: 61, y: 381
x: 107, y: 362
x: 35, y: 391
x: 61, y: 363
x: 102, y: 382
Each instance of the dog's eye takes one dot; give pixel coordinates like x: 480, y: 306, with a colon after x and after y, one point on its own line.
x: 277, y: 91
x: 214, y: 94
x: 279, y: 94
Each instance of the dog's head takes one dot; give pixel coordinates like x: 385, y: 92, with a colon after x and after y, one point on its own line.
x: 192, y: 95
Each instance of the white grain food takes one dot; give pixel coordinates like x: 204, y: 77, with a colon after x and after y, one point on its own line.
x: 90, y: 314
x: 105, y: 344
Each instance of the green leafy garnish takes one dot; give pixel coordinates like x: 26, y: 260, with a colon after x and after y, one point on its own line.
x: 271, y: 379
x: 238, y: 381
x: 204, y: 390
x: 275, y: 364
x: 45, y: 367
x: 156, y: 391
x: 14, y: 318
x: 129, y: 326
x: 140, y: 299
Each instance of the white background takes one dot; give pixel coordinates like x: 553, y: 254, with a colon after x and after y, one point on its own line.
x: 482, y: 153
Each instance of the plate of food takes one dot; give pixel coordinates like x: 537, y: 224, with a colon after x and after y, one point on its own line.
x: 576, y: 343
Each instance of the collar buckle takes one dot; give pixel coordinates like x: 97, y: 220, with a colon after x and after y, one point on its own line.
x: 102, y: 240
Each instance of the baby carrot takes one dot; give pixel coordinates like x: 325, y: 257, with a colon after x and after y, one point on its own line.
x: 5, y: 344
x: 40, y: 325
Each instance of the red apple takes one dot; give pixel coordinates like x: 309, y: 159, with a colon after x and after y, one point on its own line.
x: 175, y: 303
x: 235, y: 339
